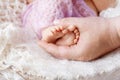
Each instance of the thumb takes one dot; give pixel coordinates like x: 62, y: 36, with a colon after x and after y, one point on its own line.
x: 51, y: 48
x: 62, y: 52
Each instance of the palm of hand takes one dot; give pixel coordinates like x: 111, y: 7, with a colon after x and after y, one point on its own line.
x: 96, y: 39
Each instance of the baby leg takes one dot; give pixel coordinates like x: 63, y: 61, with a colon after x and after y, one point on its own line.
x: 61, y: 35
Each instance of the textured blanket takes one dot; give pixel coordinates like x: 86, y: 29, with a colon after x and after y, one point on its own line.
x: 21, y: 58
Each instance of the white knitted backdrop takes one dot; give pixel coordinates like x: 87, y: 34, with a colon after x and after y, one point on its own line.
x: 22, y: 59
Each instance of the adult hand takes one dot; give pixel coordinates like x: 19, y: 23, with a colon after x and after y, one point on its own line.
x: 97, y: 37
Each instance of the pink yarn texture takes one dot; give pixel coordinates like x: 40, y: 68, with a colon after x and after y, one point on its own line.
x: 42, y: 13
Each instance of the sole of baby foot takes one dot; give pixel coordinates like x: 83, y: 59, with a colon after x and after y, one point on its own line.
x: 76, y: 32
x: 51, y: 34
x: 66, y: 40
x: 70, y: 38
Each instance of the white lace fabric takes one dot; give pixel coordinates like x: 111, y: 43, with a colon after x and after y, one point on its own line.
x: 10, y: 10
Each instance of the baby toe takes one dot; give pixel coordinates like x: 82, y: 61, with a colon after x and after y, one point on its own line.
x: 65, y: 31
x: 75, y: 41
x: 72, y: 28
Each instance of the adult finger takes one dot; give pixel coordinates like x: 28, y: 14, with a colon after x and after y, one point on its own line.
x: 62, y: 52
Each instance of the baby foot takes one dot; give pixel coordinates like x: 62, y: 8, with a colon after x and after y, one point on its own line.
x: 51, y: 34
x: 61, y: 35
x: 69, y: 38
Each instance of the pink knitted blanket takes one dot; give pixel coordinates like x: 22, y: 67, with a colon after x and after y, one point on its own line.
x: 42, y: 13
